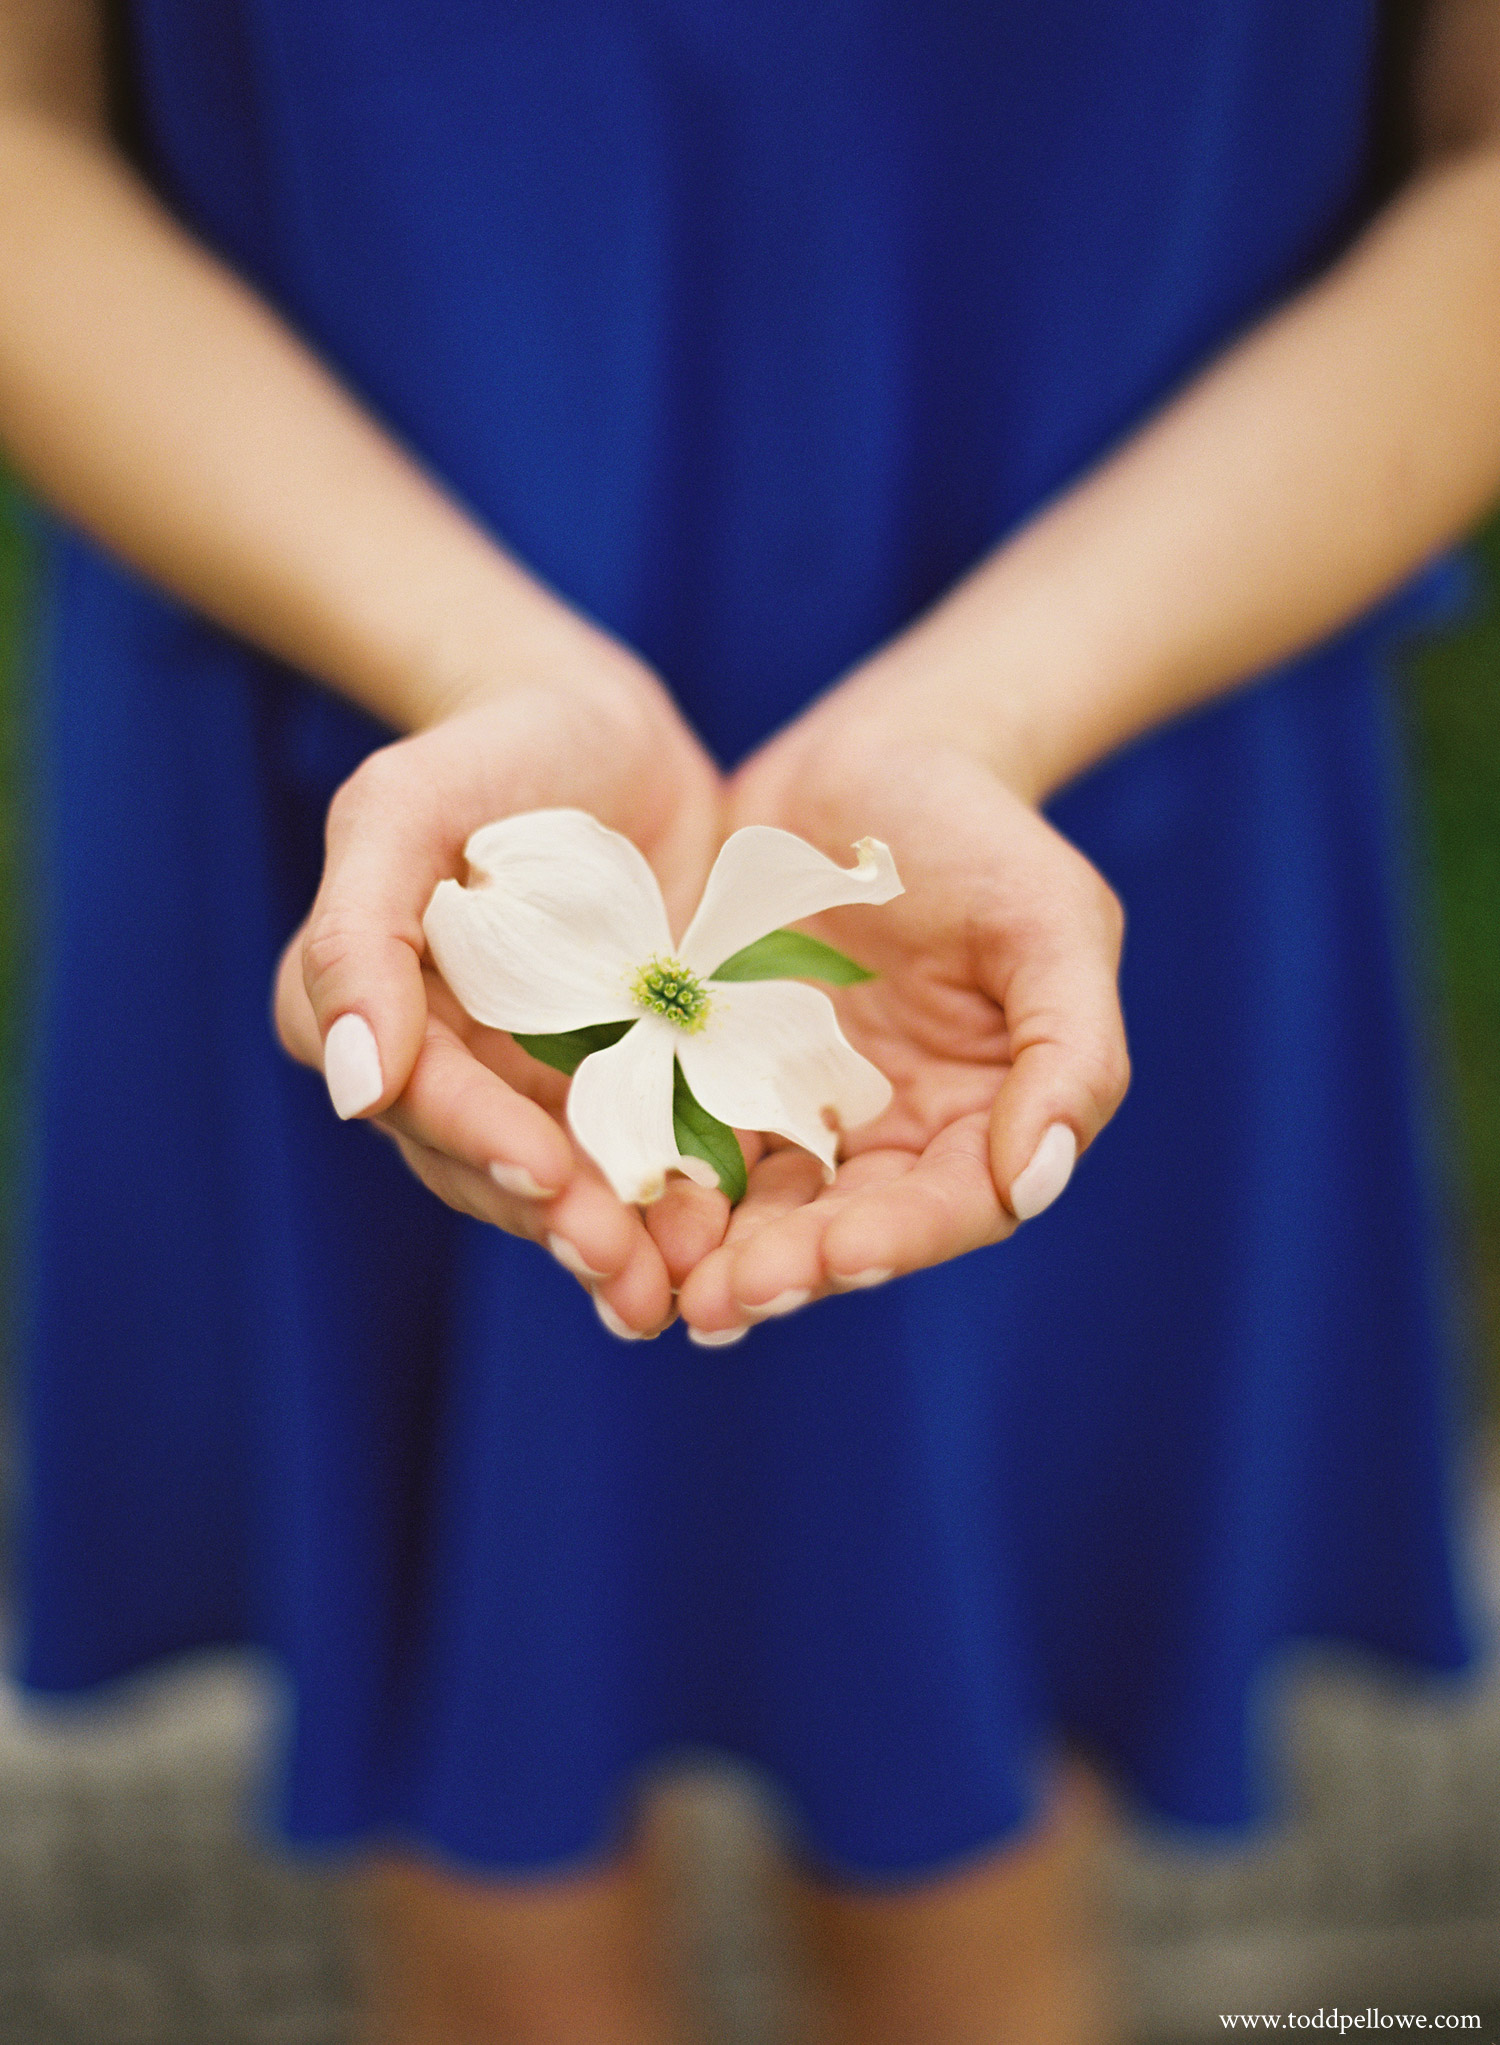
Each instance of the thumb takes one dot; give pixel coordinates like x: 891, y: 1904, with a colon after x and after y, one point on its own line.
x: 351, y: 1061
x: 362, y: 944
x: 1069, y: 1064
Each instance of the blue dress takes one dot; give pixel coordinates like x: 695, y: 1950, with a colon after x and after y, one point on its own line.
x: 750, y: 324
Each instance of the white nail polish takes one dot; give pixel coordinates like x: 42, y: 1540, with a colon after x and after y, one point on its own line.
x: 861, y: 1280
x: 1049, y: 1171
x: 516, y: 1179
x: 716, y: 1338
x: 570, y: 1260
x: 351, y: 1066
x: 614, y: 1324
x: 784, y: 1303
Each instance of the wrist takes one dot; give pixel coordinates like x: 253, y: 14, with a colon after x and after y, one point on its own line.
x: 1016, y: 669
x: 464, y: 627
x: 929, y: 701
x: 915, y: 694
x: 510, y: 651
x: 589, y: 727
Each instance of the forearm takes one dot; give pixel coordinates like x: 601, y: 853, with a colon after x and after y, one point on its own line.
x: 147, y: 393
x: 1304, y: 475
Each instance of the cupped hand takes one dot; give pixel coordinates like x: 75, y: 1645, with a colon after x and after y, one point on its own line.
x: 479, y: 1122
x: 995, y: 1015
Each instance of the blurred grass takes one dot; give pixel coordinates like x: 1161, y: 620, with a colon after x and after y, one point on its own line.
x: 1454, y: 702
x: 16, y: 566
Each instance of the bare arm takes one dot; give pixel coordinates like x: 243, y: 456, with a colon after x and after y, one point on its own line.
x: 149, y: 394
x: 1303, y: 476
x: 1308, y: 471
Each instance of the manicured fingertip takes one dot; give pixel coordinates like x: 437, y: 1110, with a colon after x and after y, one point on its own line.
x: 686, y: 1226
x: 1048, y: 1173
x: 351, y: 1066
x: 572, y: 1260
x: 716, y: 1338
x: 860, y: 1281
x: 784, y: 1303
x: 516, y: 1179
x: 612, y: 1321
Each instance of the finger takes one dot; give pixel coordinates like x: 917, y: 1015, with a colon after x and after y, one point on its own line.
x: 634, y: 1301
x: 296, y: 1025
x: 690, y: 1221
x: 466, y: 1190
x: 1069, y: 1064
x: 780, y: 1196
x: 638, y: 1303
x: 458, y: 1107
x: 944, y: 1205
x: 457, y: 1104
x: 596, y: 1238
x: 686, y: 1224
x: 454, y: 1104
x: 888, y: 1214
x: 362, y: 947
x: 786, y: 1263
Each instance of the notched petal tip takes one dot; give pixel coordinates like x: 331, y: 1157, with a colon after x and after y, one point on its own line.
x: 765, y: 878
x: 875, y: 866
x: 557, y: 911
x: 696, y: 1169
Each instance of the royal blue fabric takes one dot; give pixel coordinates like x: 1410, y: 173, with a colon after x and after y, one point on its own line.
x: 750, y: 324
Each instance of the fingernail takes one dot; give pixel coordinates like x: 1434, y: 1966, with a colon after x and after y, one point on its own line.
x: 1049, y: 1171
x: 716, y: 1338
x: 570, y: 1260
x: 784, y: 1303
x: 614, y: 1324
x: 351, y: 1066
x: 876, y: 1275
x: 516, y: 1179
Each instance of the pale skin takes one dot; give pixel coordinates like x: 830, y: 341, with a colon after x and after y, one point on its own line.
x: 154, y: 399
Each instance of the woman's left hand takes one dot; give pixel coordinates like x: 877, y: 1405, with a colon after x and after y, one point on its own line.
x: 995, y: 1014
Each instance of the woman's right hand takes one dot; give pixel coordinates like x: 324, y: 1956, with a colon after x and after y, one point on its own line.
x: 477, y: 1120
x: 150, y: 395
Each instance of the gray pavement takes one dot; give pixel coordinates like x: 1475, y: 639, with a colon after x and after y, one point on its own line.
x: 136, y: 1908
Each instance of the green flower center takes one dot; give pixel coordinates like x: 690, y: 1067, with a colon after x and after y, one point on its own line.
x: 669, y: 990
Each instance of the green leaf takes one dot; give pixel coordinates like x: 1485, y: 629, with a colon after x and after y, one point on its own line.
x: 791, y: 955
x: 700, y: 1134
x: 566, y: 1050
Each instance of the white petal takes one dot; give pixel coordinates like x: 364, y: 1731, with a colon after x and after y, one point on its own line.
x: 559, y: 914
x: 620, y: 1109
x: 772, y: 1056
x: 764, y: 878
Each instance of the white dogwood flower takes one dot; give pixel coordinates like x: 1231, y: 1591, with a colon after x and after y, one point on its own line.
x: 562, y: 928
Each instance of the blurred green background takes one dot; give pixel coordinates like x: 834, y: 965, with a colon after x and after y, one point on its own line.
x: 1453, y: 699
x: 1452, y: 692
x: 16, y: 562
